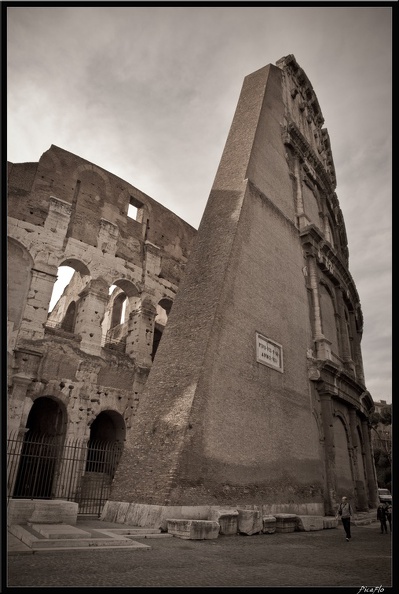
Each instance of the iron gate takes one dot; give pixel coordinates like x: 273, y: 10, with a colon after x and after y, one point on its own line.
x: 51, y: 467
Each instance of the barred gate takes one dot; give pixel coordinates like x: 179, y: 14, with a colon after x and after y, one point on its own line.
x: 51, y: 467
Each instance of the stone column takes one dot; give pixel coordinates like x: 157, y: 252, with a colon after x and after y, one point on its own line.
x: 361, y: 495
x: 329, y: 452
x: 91, y: 308
x: 37, y: 303
x: 357, y: 353
x: 25, y: 370
x: 346, y: 354
x: 369, y: 463
x: 107, y: 237
x: 323, y: 345
x: 303, y: 220
x: 59, y: 215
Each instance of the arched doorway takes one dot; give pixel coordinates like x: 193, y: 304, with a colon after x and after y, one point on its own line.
x: 40, y: 449
x: 104, y: 449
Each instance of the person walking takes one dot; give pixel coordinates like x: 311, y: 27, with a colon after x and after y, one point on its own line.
x: 382, y: 517
x: 345, y: 512
x: 388, y: 513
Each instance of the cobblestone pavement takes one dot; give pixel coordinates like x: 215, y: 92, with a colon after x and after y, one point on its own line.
x: 312, y: 559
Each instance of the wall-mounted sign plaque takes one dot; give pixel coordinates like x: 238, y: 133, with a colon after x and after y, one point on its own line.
x: 269, y: 352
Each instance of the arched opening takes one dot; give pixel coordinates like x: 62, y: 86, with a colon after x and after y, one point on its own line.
x: 118, y: 311
x: 163, y: 310
x: 72, y: 276
x: 107, y: 433
x: 68, y: 323
x: 122, y: 296
x: 40, y: 449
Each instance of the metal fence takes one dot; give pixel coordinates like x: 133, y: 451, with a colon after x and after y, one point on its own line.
x: 51, y: 467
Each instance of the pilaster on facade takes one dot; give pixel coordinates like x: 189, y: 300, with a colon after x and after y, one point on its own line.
x: 107, y: 237
x: 344, y: 335
x: 59, y: 215
x: 140, y: 333
x: 152, y: 260
x: 316, y: 309
x: 358, y: 454
x: 93, y: 300
x: 303, y: 219
x: 37, y: 304
x: 370, y: 468
x: 329, y: 448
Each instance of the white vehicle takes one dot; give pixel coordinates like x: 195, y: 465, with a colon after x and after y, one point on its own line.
x: 384, y: 495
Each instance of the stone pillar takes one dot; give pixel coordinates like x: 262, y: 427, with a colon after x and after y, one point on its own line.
x: 107, y: 237
x: 25, y: 369
x: 369, y: 463
x: 59, y: 215
x: 361, y: 495
x: 37, y: 303
x: 329, y: 452
x: 357, y: 353
x: 303, y: 220
x: 346, y: 354
x: 91, y: 308
x: 323, y: 345
x: 140, y: 333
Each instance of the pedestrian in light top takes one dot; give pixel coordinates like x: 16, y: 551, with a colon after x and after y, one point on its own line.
x: 345, y: 512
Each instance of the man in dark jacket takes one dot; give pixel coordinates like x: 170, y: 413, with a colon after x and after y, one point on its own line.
x: 345, y: 512
x: 382, y: 517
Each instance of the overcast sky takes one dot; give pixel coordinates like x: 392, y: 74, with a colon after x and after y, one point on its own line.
x: 149, y: 93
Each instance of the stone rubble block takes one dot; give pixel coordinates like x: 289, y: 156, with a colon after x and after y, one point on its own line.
x: 110, y: 511
x: 193, y: 529
x: 330, y: 522
x: 269, y: 524
x: 54, y: 511
x: 249, y: 521
x: 285, y: 522
x: 227, y: 518
x: 308, y: 523
x: 122, y: 511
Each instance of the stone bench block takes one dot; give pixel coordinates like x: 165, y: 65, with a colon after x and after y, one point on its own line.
x: 42, y: 511
x: 193, y: 529
x: 308, y: 523
x: 285, y: 522
x: 228, y: 520
x: 330, y: 522
x: 249, y: 521
x: 269, y: 525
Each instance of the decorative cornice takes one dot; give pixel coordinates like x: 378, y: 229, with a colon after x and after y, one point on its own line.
x: 329, y: 262
x: 293, y: 137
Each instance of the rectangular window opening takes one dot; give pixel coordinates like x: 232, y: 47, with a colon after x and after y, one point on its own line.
x: 135, y: 210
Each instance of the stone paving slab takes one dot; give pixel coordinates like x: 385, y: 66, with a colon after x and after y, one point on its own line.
x: 97, y: 539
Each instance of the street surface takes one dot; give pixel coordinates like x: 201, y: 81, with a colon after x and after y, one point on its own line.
x: 311, y: 559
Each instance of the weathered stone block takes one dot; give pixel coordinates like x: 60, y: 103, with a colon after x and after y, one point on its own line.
x: 228, y: 520
x: 42, y: 511
x: 193, y: 529
x: 269, y: 525
x: 249, y: 521
x: 330, y: 522
x: 285, y: 522
x: 308, y: 523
